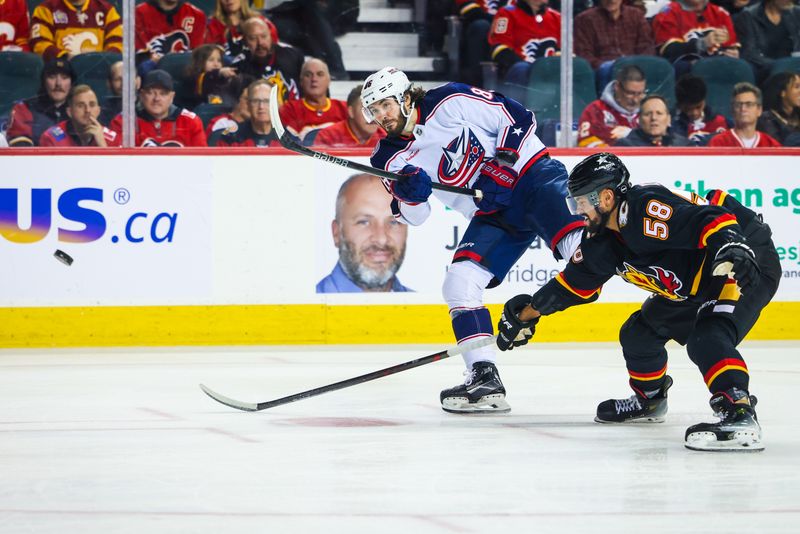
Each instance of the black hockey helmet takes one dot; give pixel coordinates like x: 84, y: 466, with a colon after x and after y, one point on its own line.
x: 595, y: 173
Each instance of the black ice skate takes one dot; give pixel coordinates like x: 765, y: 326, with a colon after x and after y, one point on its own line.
x: 481, y: 392
x: 738, y: 429
x: 636, y: 409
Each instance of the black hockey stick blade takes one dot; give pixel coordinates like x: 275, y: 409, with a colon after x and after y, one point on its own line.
x: 287, y: 140
x: 405, y: 366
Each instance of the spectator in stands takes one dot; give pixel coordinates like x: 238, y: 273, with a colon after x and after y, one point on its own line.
x: 158, y: 121
x: 768, y: 30
x: 83, y: 127
x: 371, y: 241
x: 609, y: 31
x: 747, y: 108
x: 522, y: 33
x: 303, y: 24
x: 695, y: 119
x: 238, y: 114
x: 690, y: 29
x: 225, y: 25
x: 66, y: 28
x: 616, y: 112
x: 112, y: 104
x: 654, y: 126
x: 29, y: 120
x: 257, y: 131
x: 476, y: 20
x: 165, y: 26
x: 352, y: 132
x: 265, y: 58
x: 15, y: 29
x: 781, y: 121
x: 210, y: 79
x: 314, y: 110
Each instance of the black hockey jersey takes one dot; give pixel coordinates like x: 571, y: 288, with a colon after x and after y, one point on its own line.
x: 666, y: 245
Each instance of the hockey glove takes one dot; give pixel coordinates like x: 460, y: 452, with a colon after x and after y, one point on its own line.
x: 738, y: 261
x: 414, y: 187
x: 497, y: 182
x: 511, y: 331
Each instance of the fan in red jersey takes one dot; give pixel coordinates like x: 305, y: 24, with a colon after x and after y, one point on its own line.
x: 82, y: 128
x: 15, y: 26
x: 257, y: 131
x: 352, y: 132
x: 612, y: 116
x: 314, y: 110
x: 164, y: 26
x: 158, y: 121
x: 747, y: 108
x: 694, y: 28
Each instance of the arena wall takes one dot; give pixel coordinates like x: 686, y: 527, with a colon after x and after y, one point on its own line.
x: 190, y: 247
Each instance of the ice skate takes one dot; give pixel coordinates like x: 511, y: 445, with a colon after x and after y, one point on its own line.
x: 737, y: 430
x: 635, y: 409
x: 481, y: 392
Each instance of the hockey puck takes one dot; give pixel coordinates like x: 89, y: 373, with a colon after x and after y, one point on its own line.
x: 63, y: 257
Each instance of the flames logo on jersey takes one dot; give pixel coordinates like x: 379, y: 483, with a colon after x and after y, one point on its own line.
x: 461, y: 157
x: 150, y: 142
x: 287, y: 90
x: 174, y: 41
x: 536, y: 48
x: 663, y: 282
x: 80, y: 42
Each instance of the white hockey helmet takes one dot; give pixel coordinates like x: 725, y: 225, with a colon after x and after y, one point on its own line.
x: 387, y: 82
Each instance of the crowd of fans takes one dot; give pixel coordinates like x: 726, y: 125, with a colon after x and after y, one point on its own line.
x: 238, y: 53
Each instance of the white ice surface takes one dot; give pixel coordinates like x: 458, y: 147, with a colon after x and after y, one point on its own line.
x: 120, y: 441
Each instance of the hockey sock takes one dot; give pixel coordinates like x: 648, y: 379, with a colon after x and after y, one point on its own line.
x: 471, y: 324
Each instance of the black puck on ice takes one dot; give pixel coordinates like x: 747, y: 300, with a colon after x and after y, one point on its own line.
x: 63, y: 257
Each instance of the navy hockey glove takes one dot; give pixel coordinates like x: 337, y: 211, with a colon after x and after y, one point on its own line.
x: 739, y: 261
x: 414, y: 187
x: 511, y: 331
x: 497, y: 182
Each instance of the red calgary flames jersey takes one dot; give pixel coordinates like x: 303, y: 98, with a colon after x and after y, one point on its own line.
x: 297, y: 114
x: 14, y: 26
x: 597, y: 121
x: 180, y: 128
x: 676, y: 24
x: 339, y: 135
x: 729, y: 138
x: 528, y: 35
x: 157, y: 33
x: 59, y: 29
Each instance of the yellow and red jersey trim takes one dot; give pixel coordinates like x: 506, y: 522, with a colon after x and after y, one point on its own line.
x: 322, y: 109
x: 727, y: 364
x: 647, y: 377
x: 715, y: 226
x: 719, y: 198
x: 582, y: 293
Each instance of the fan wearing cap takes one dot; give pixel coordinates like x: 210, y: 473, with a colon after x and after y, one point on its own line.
x: 66, y: 28
x: 82, y: 128
x: 158, y: 121
x: 30, y: 118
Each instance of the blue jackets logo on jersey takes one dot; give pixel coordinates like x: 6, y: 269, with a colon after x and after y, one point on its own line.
x: 461, y: 157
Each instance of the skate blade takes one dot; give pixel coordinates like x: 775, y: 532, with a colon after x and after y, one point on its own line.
x: 489, y: 404
x: 742, y: 441
x: 638, y: 420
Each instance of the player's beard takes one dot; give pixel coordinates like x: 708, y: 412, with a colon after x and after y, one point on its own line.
x: 364, y: 276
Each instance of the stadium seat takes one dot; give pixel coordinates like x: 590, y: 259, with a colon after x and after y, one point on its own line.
x: 785, y: 64
x: 177, y: 64
x: 20, y: 74
x: 544, y: 87
x: 658, y: 71
x: 91, y: 68
x: 206, y: 112
x: 721, y: 73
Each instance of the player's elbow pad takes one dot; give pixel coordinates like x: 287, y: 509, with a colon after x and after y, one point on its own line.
x: 413, y: 214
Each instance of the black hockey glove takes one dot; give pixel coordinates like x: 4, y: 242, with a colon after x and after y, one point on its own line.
x: 738, y: 261
x: 511, y: 331
x: 414, y: 186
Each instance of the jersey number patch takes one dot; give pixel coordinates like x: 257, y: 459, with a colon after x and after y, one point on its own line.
x: 656, y: 227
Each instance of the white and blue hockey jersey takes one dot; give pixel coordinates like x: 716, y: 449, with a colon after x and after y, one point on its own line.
x: 458, y: 127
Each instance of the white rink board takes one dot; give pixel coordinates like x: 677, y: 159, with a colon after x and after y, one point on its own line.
x: 256, y: 229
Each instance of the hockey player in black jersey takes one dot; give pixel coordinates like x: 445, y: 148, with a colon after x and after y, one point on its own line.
x: 711, y: 266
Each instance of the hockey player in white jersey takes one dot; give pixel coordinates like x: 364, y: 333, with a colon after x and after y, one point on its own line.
x: 468, y: 137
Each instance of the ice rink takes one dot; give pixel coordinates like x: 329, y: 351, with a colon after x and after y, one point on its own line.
x: 124, y: 441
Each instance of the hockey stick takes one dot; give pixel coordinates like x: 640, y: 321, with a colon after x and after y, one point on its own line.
x: 286, y: 139
x: 399, y: 368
